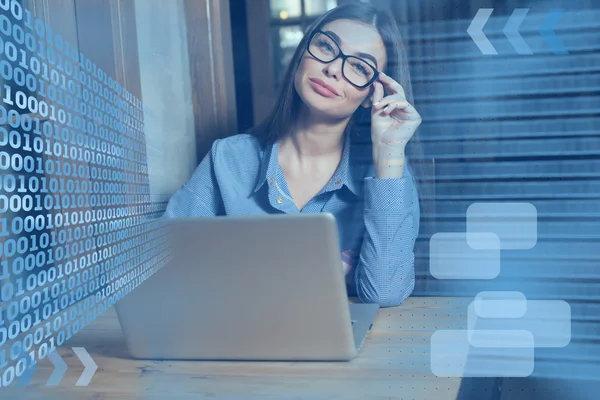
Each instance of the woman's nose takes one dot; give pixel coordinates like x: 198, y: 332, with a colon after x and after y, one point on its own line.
x: 334, y: 69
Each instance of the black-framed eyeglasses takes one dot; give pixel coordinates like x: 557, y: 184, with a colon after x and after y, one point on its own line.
x: 356, y: 70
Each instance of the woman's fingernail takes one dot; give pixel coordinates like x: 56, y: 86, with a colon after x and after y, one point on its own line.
x: 376, y: 104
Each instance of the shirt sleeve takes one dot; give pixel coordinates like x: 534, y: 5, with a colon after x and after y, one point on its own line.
x: 385, y: 272
x: 200, y: 196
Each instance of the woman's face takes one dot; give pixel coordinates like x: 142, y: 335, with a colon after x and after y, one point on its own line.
x: 353, y: 38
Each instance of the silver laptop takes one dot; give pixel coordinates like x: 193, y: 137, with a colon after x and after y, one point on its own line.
x: 267, y: 287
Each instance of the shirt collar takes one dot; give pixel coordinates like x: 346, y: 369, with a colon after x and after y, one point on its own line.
x: 342, y: 176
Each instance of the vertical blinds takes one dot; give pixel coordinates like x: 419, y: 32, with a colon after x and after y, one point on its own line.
x: 518, y: 128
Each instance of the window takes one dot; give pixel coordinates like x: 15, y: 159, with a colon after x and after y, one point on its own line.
x: 289, y: 21
x: 99, y: 124
x: 317, y: 7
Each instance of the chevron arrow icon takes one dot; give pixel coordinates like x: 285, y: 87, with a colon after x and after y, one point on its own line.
x: 475, y: 30
x: 88, y: 363
x: 547, y: 31
x: 511, y: 31
x: 59, y: 368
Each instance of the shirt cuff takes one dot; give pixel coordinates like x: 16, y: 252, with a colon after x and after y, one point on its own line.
x: 389, y: 194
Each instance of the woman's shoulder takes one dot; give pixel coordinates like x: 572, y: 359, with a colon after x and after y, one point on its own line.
x: 239, y: 141
x: 239, y: 154
x: 240, y: 145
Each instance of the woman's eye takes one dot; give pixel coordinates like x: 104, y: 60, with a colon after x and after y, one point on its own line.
x: 326, y: 46
x: 360, y: 68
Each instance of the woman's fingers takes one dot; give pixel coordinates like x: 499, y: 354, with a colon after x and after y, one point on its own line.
x: 386, y: 101
x: 391, y: 84
x: 410, y: 112
x: 388, y: 110
x: 377, y: 92
x: 396, y: 105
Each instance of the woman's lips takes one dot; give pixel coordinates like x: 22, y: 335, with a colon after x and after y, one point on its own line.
x: 321, y: 89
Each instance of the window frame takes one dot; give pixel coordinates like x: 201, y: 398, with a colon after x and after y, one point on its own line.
x: 303, y: 21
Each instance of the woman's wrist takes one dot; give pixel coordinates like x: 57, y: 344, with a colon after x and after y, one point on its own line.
x: 389, y: 169
x: 389, y: 159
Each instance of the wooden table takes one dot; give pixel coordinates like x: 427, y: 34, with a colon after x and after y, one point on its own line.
x: 393, y: 364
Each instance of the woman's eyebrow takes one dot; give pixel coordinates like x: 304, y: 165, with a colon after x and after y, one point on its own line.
x: 362, y: 55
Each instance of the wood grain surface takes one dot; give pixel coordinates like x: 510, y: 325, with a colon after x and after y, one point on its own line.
x: 393, y: 364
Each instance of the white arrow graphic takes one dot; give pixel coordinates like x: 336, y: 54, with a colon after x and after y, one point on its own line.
x: 88, y: 363
x: 59, y: 369
x: 511, y: 31
x: 475, y: 30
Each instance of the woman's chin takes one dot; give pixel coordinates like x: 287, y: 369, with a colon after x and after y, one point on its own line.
x: 316, y: 107
x: 325, y: 114
x: 318, y: 102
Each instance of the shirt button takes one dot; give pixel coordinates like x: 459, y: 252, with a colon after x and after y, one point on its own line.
x: 337, y: 182
x: 271, y: 181
x: 279, y: 200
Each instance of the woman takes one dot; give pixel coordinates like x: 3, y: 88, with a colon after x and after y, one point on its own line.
x: 336, y: 141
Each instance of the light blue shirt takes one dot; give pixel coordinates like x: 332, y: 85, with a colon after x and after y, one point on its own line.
x: 377, y: 219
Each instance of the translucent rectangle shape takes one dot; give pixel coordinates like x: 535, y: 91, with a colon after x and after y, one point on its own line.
x: 450, y: 257
x: 500, y: 338
x: 548, y: 320
x: 453, y: 357
x: 514, y: 223
x: 500, y: 304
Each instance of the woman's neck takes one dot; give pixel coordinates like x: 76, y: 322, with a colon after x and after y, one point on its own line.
x: 315, y: 138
